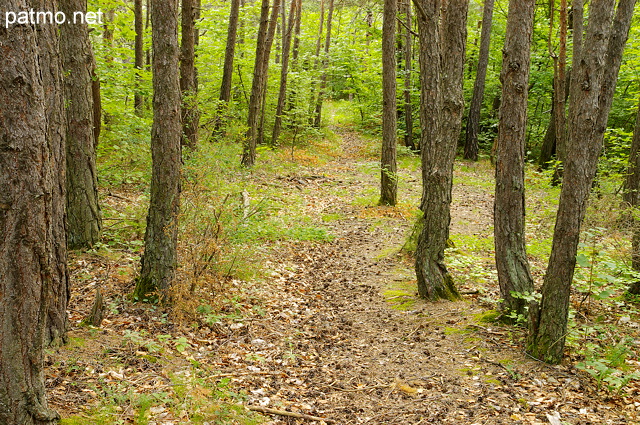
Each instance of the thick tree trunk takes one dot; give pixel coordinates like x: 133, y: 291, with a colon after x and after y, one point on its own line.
x: 188, y: 81
x: 51, y: 74
x: 588, y: 96
x: 227, y: 70
x: 473, y: 121
x: 284, y: 70
x: 408, y: 57
x: 632, y: 196
x: 32, y: 236
x: 325, y: 63
x: 454, y: 33
x: 509, y: 224
x: 161, y: 236
x: 83, y: 212
x: 440, y: 115
x: 266, y: 33
x: 388, y: 166
x: 138, y: 19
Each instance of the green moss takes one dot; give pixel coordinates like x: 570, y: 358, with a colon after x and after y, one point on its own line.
x: 461, y: 331
x: 76, y: 342
x: 489, y: 316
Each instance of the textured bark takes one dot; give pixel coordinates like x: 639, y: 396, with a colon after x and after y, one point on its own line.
x: 188, y: 82
x: 325, y: 64
x: 266, y: 33
x: 632, y: 196
x: 588, y: 90
x: 440, y: 117
x: 388, y: 166
x: 32, y: 235
x: 559, y: 83
x: 83, y: 212
x: 284, y: 70
x: 473, y: 121
x: 509, y: 210
x: 138, y: 19
x: 613, y: 59
x: 408, y: 57
x: 161, y: 235
x: 51, y: 74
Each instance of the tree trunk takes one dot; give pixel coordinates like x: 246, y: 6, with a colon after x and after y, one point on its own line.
x: 263, y: 49
x: 613, y: 60
x: 188, y: 83
x: 632, y: 196
x: 294, y: 56
x: 559, y: 87
x: 32, y: 235
x: 284, y: 70
x: 473, y: 121
x: 83, y: 213
x: 138, y: 102
x: 325, y: 63
x: 51, y: 74
x: 388, y: 166
x: 440, y: 115
x: 509, y: 224
x: 161, y: 236
x: 271, y: 32
x: 107, y: 39
x: 227, y: 73
x: 588, y: 96
x: 316, y: 63
x: 559, y: 84
x: 548, y: 148
x: 408, y: 54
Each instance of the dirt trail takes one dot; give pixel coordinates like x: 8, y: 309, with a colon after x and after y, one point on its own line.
x: 336, y: 330
x: 354, y: 359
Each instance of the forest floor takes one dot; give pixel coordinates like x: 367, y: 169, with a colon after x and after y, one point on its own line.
x: 333, y: 331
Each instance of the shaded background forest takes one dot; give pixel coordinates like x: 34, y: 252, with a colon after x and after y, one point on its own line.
x: 353, y: 73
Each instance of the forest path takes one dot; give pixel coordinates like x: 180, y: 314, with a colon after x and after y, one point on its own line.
x: 334, y: 329
x: 346, y: 338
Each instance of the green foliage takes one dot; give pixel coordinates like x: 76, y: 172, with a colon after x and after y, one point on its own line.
x: 611, y: 369
x: 522, y: 319
x: 614, y: 160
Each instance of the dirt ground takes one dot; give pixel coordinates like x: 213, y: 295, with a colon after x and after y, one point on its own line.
x: 341, y: 335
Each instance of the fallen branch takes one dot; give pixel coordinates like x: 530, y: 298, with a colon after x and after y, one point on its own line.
x: 290, y: 414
